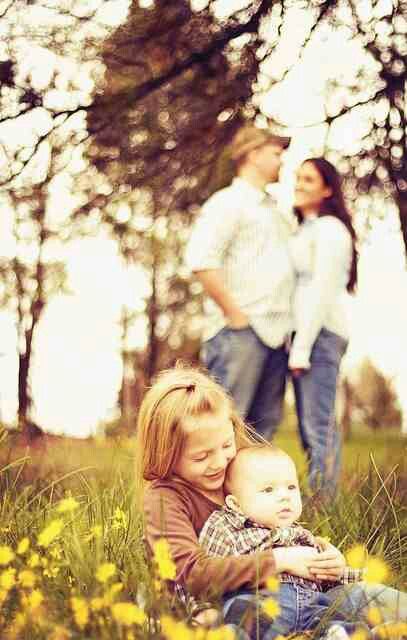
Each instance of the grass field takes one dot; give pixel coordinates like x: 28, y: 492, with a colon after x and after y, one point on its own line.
x: 83, y: 575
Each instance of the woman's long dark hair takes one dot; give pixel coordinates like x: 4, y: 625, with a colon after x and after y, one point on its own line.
x: 335, y: 206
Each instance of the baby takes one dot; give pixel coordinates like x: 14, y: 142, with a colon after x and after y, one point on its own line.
x: 262, y: 507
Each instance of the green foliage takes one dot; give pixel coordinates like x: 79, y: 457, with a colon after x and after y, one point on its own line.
x: 104, y: 526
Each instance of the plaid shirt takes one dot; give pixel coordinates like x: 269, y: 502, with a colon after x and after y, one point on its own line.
x: 229, y: 533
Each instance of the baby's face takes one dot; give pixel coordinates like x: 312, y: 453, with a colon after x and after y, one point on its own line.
x: 269, y: 493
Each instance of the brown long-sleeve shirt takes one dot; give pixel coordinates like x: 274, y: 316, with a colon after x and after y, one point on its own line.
x: 176, y: 511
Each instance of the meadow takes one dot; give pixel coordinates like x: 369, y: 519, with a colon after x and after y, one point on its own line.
x: 72, y: 561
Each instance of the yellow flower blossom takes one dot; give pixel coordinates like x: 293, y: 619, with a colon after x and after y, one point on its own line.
x: 6, y: 556
x: 7, y: 579
x: 60, y: 633
x: 357, y: 556
x: 80, y: 610
x: 392, y: 630
x: 23, y: 546
x: 51, y: 572
x: 95, y: 533
x: 374, y: 616
x: 3, y: 596
x: 377, y: 571
x: 35, y: 599
x: 165, y: 563
x: 359, y: 634
x: 271, y: 608
x: 119, y: 520
x: 96, y: 604
x: 171, y: 629
x: 273, y: 584
x: 27, y: 579
x: 50, y: 533
x: 56, y: 553
x: 221, y: 633
x: 67, y: 505
x: 34, y: 560
x: 127, y: 613
x: 105, y: 572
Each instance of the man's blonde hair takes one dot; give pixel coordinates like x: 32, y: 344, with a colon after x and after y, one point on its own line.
x: 176, y: 395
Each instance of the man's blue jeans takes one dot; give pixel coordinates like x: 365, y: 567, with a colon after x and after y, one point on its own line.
x: 315, y: 394
x: 253, y: 374
x: 303, y: 609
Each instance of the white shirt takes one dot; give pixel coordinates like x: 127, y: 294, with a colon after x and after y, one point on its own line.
x: 242, y: 232
x: 321, y: 252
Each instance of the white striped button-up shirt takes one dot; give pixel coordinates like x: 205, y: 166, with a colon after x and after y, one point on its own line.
x: 242, y: 232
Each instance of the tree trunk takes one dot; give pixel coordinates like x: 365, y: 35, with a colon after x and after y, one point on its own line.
x: 401, y: 200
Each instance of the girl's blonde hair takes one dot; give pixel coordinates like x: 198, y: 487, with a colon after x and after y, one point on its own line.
x: 178, y: 393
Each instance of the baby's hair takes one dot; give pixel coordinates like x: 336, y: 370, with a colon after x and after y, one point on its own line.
x: 247, y: 453
x: 177, y: 395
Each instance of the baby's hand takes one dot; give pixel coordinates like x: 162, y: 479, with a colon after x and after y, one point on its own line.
x: 206, y: 618
x: 295, y: 560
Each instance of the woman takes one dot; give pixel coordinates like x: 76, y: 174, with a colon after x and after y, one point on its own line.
x: 325, y: 260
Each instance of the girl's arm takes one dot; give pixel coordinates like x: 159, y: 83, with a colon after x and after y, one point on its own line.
x: 167, y: 515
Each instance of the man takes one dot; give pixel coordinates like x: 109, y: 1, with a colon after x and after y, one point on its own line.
x: 237, y: 252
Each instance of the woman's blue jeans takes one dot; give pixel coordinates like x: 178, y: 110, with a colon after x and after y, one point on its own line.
x: 315, y: 395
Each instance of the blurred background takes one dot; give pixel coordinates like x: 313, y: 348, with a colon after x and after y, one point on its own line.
x: 115, y: 120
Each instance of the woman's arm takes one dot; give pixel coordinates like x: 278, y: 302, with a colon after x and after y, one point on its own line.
x: 331, y: 251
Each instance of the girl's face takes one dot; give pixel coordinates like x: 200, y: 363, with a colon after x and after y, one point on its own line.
x: 310, y: 189
x: 209, y: 447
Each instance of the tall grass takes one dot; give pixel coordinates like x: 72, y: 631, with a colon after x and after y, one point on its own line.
x: 68, y: 600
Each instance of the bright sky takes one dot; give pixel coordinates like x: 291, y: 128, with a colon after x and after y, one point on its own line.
x: 77, y: 368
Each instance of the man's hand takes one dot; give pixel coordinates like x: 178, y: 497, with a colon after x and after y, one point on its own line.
x: 329, y: 564
x: 297, y: 373
x: 238, y: 320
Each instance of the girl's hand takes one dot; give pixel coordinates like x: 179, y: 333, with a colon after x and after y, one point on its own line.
x: 296, y: 560
x: 329, y: 564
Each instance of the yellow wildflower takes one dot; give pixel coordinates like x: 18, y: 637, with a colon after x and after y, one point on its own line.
x: 51, y: 572
x: 96, y: 604
x: 359, y: 634
x: 105, y: 572
x: 27, y: 579
x: 3, y: 596
x: 60, y: 633
x: 271, y: 608
x: 67, y: 505
x: 80, y: 611
x: 34, y: 560
x: 95, y: 533
x: 23, y: 546
x: 162, y: 556
x: 273, y: 584
x: 221, y: 633
x: 119, y: 520
x: 392, y: 630
x: 56, y: 553
x: 357, y: 556
x: 377, y: 571
x: 172, y: 629
x: 35, y: 599
x: 127, y: 613
x: 8, y: 579
x: 374, y: 616
x: 50, y: 533
x: 6, y: 556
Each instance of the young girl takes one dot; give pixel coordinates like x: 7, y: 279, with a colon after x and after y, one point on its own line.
x: 187, y: 434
